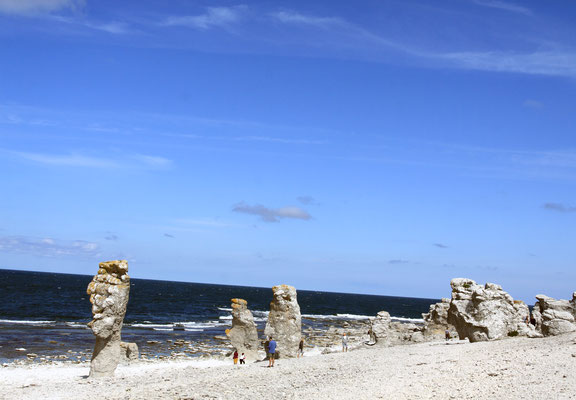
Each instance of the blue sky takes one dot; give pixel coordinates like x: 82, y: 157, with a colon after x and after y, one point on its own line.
x: 372, y: 146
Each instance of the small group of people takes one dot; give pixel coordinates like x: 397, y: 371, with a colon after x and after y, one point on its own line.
x: 271, y: 352
x: 242, y: 358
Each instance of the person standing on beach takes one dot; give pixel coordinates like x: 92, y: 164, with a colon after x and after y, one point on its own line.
x: 447, y: 334
x: 301, y: 348
x: 271, y: 352
x: 235, y: 357
x: 243, y: 359
x: 344, y: 342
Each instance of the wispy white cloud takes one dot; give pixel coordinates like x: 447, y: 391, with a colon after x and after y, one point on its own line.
x: 555, y: 63
x: 272, y: 214
x: 214, y: 17
x: 506, y: 6
x: 36, y: 7
x: 277, y: 140
x: 48, y: 247
x: 293, y: 17
x: 79, y: 160
x: 112, y: 27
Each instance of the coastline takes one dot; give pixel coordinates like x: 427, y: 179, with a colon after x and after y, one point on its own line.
x: 514, y: 368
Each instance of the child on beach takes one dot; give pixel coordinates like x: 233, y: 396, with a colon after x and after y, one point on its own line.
x: 344, y: 342
x: 235, y: 357
x: 301, y: 348
x: 243, y: 359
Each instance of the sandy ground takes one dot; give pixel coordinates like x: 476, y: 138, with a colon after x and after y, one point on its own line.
x: 517, y: 368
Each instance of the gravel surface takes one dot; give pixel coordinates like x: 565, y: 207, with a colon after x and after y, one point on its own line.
x: 516, y: 368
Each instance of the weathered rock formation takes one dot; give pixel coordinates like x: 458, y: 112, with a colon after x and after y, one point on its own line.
x: 284, y: 321
x: 109, y: 297
x: 128, y: 352
x: 436, y: 321
x: 243, y: 334
x: 384, y: 332
x: 554, y: 317
x: 487, y: 312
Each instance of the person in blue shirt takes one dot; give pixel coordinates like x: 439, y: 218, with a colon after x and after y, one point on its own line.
x: 271, y: 352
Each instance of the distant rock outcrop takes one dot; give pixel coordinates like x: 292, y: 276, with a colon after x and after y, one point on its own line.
x: 108, y: 292
x: 487, y: 312
x: 384, y: 332
x: 554, y: 317
x: 243, y: 334
x: 284, y: 320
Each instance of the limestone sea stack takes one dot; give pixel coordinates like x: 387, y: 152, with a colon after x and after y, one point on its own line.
x: 284, y: 321
x: 243, y: 334
x: 554, y: 317
x: 487, y: 312
x: 109, y: 297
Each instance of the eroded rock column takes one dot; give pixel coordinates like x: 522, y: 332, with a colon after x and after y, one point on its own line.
x: 284, y: 321
x: 243, y: 334
x: 109, y: 297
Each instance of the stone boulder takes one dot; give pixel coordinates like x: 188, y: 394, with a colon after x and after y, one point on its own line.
x: 129, y: 352
x: 243, y: 334
x: 487, y: 312
x: 108, y: 292
x: 284, y: 320
x: 554, y: 317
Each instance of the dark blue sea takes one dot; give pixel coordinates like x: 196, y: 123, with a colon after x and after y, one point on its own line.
x: 47, y: 313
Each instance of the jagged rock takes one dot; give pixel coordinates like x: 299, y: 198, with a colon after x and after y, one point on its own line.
x: 438, y: 313
x: 129, y: 352
x: 284, y: 320
x: 384, y: 332
x: 487, y: 312
x: 436, y: 321
x: 243, y: 334
x: 109, y: 297
x: 554, y: 317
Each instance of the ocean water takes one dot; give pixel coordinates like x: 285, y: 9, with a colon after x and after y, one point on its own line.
x: 47, y: 313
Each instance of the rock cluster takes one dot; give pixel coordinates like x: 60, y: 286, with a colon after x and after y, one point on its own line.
x: 554, y: 317
x: 487, y: 312
x: 284, y: 320
x: 108, y: 292
x: 384, y: 332
x: 243, y: 334
x: 436, y: 321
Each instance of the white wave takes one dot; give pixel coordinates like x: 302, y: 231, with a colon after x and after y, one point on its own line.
x: 412, y: 320
x: 193, y: 326
x: 19, y: 322
x: 77, y: 325
x: 224, y: 309
x: 225, y: 317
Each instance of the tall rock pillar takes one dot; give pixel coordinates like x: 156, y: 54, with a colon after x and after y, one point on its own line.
x: 243, y: 334
x: 284, y: 321
x: 109, y: 297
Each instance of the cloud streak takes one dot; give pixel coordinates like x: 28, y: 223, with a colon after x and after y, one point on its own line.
x: 48, y: 247
x: 501, y: 5
x: 35, y: 7
x: 79, y: 160
x: 272, y: 214
x: 214, y: 17
x: 558, y: 207
x: 440, y: 245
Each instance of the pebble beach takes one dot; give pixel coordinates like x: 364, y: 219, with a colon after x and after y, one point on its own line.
x: 514, y: 368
